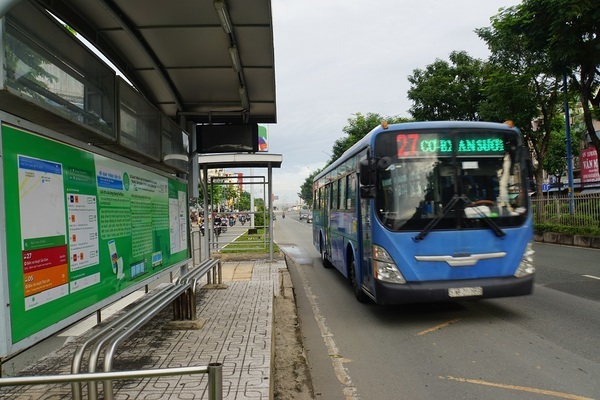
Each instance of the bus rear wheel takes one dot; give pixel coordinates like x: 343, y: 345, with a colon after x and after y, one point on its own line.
x: 358, y: 292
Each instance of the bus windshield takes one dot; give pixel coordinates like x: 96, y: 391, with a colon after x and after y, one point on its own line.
x: 461, y: 179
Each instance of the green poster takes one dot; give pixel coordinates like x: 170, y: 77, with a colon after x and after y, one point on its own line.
x: 81, y: 227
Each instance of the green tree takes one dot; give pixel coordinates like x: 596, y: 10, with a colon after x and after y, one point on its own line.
x: 520, y: 84
x: 231, y: 194
x: 357, y: 128
x: 568, y: 32
x: 216, y: 195
x: 555, y: 161
x: 244, y: 201
x: 306, y: 193
x: 447, y: 90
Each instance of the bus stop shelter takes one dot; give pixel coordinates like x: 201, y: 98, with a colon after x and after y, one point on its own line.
x: 240, y: 160
x: 115, y: 89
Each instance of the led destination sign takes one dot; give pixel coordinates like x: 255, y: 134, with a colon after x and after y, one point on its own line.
x: 427, y: 145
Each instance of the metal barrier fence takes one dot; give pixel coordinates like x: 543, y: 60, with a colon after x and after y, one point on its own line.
x: 214, y: 371
x: 557, y: 210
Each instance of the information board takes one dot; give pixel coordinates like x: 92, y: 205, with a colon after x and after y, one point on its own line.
x: 81, y: 227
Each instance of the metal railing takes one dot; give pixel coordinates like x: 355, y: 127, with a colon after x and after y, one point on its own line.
x: 557, y: 210
x: 184, y: 308
x: 214, y: 371
x: 181, y: 294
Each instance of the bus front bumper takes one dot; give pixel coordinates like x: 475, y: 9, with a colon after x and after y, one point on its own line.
x: 440, y: 291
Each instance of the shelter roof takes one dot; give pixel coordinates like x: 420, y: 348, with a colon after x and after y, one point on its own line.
x: 211, y: 61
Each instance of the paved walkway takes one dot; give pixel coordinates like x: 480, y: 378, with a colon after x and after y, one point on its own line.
x: 237, y: 333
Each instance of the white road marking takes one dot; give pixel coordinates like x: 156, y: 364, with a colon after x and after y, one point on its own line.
x: 350, y: 392
x: 592, y: 276
x: 518, y: 388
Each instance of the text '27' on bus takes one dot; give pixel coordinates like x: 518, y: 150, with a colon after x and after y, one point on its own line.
x: 429, y: 211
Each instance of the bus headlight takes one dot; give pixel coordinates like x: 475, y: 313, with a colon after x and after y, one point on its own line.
x: 526, y: 266
x: 384, y: 267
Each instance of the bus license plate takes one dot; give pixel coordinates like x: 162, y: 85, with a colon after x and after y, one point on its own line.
x: 465, y: 291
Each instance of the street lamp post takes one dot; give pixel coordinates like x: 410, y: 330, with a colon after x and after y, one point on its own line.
x: 569, y: 150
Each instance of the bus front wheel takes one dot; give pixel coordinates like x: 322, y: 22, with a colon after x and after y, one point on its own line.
x: 358, y: 292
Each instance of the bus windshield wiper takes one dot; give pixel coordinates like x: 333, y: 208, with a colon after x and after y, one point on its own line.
x: 497, y: 230
x: 429, y: 227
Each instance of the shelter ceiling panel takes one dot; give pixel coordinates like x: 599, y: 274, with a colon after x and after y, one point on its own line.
x: 252, y: 53
x: 263, y: 111
x: 211, y: 85
x: 176, y: 52
x: 173, y: 12
x: 263, y: 87
x: 244, y: 12
x: 158, y: 88
x: 194, y: 47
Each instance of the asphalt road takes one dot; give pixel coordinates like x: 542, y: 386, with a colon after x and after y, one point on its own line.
x: 533, y: 347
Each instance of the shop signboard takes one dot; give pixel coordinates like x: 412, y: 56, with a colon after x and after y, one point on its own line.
x: 589, y: 165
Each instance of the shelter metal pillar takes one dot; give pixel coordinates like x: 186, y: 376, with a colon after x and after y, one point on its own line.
x: 271, y: 222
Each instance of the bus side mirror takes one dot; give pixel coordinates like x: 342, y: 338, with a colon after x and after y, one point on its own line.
x: 366, y: 173
x: 367, y: 179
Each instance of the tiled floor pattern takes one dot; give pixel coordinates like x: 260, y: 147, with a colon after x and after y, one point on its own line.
x: 237, y: 333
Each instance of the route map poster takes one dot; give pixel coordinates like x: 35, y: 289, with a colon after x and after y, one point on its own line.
x: 81, y: 227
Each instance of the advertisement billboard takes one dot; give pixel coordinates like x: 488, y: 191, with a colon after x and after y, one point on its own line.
x: 80, y: 228
x: 589, y: 165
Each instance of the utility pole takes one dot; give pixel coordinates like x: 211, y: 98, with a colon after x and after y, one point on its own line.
x: 569, y: 150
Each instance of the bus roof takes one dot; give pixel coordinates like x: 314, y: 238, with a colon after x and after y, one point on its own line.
x: 368, y: 138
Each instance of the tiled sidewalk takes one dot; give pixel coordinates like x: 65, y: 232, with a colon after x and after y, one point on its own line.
x: 237, y: 333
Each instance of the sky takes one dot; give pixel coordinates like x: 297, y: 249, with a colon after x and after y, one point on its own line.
x: 336, y: 58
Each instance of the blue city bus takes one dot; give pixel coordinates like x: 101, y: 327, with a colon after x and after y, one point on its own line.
x: 429, y: 211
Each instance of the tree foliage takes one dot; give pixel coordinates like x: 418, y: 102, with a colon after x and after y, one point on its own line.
x: 447, y: 90
x: 306, y: 193
x: 568, y: 32
x: 357, y: 128
x: 243, y: 202
x: 555, y: 161
x: 521, y: 84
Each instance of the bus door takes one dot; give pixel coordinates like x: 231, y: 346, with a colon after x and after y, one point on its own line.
x: 366, y: 270
x: 326, y: 220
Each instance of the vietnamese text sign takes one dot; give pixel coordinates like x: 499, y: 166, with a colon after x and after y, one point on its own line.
x: 589, y: 165
x: 81, y: 227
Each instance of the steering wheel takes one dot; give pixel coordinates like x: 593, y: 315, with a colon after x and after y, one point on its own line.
x: 481, y: 203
